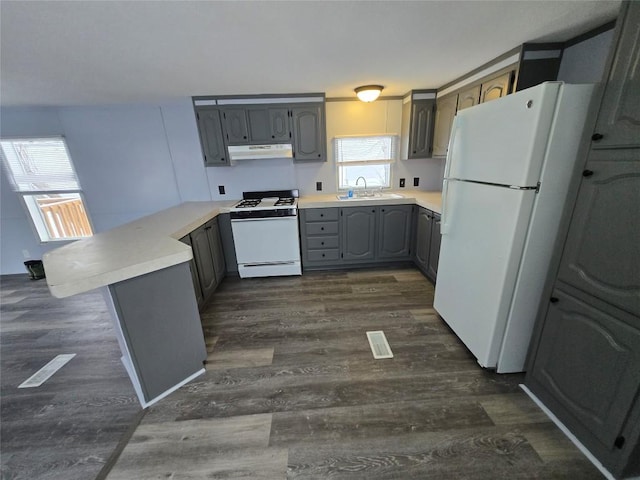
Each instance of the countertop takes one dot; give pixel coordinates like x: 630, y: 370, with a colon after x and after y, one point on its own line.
x: 429, y: 200
x: 152, y: 243
x: 143, y: 246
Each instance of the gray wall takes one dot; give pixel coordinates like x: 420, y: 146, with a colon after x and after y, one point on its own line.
x: 584, y: 62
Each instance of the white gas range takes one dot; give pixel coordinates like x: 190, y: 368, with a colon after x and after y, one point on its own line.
x: 265, y: 233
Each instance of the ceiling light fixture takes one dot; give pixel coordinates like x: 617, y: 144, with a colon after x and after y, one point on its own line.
x: 368, y: 93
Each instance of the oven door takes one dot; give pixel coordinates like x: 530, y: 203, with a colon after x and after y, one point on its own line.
x: 266, y: 241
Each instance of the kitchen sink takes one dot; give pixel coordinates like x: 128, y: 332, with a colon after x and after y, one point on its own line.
x: 369, y: 196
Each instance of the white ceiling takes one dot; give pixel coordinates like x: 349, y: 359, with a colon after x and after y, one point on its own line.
x: 100, y: 52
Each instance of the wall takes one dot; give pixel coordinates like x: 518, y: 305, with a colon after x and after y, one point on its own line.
x: 584, y: 62
x: 134, y: 160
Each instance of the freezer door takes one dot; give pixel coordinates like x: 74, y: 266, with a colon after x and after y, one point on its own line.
x: 482, y: 243
x: 503, y: 141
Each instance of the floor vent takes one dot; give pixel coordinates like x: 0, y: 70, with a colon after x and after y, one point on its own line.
x: 379, y: 345
x: 45, y: 372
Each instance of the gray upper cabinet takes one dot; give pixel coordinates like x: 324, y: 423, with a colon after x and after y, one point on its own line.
x: 212, y: 142
x: 235, y: 123
x: 445, y: 113
x: 279, y: 124
x: 309, y: 135
x: 469, y: 98
x: 618, y: 123
x: 394, y: 232
x: 496, y: 87
x: 358, y: 233
x: 416, y: 140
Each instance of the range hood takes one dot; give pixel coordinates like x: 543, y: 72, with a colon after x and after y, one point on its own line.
x: 252, y: 152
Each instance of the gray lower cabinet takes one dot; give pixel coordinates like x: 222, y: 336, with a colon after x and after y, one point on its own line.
x: 320, y: 236
x: 228, y: 245
x: 214, y: 149
x: 208, y: 266
x: 358, y: 233
x: 194, y: 273
x: 427, y: 242
x: 434, y: 248
x: 395, y: 224
x: 584, y: 360
x: 309, y: 134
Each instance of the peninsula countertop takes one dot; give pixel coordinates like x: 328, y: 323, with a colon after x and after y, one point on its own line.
x: 143, y: 246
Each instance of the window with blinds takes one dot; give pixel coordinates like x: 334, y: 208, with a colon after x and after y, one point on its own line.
x: 41, y: 171
x: 367, y: 156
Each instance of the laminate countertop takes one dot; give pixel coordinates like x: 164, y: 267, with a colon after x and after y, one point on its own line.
x: 143, y: 246
x: 152, y: 243
x: 429, y: 200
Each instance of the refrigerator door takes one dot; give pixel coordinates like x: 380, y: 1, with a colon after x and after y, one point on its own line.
x: 479, y: 260
x: 503, y: 141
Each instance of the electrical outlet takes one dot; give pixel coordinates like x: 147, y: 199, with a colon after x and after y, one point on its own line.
x: 416, y: 181
x: 319, y: 186
x: 221, y: 189
x: 402, y: 183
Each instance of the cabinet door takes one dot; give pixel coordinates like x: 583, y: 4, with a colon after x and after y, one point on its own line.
x: 211, y: 140
x: 279, y: 127
x: 194, y: 274
x: 235, y: 122
x: 619, y: 117
x: 445, y: 113
x: 469, y: 98
x: 308, y: 132
x: 421, y: 136
x: 423, y: 238
x: 358, y: 233
x: 217, y: 253
x: 496, y: 88
x: 394, y: 232
x: 587, y: 365
x: 204, y: 261
x: 434, y: 248
x: 258, y: 124
x: 602, y: 250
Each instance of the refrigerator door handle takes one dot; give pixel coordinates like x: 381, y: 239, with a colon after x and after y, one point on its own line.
x: 444, y: 218
x: 454, y: 129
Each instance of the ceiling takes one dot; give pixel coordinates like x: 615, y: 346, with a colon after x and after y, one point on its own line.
x: 55, y: 53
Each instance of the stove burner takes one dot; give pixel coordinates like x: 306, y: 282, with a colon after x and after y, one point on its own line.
x: 249, y: 203
x: 285, y: 201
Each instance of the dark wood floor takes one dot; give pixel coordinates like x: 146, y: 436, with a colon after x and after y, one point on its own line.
x: 69, y: 427
x: 292, y: 391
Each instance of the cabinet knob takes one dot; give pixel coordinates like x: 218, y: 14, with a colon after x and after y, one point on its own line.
x: 322, y: 214
x: 383, y: 209
x: 245, y: 137
x: 414, y: 151
x: 587, y: 173
x: 597, y: 137
x: 619, y: 442
x: 554, y: 300
x: 273, y: 136
x: 321, y: 228
x: 222, y: 159
x: 373, y: 211
x: 323, y: 254
x: 321, y: 243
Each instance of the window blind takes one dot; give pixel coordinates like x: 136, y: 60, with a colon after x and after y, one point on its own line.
x: 39, y: 165
x: 370, y: 148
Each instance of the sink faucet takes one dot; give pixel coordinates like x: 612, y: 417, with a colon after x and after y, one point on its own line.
x: 363, y: 179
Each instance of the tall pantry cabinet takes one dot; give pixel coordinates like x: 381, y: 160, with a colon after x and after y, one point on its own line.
x: 584, y: 361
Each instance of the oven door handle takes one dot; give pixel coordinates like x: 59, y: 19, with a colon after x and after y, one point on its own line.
x: 263, y: 219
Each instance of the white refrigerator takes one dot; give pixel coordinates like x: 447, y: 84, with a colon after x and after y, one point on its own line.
x: 507, y: 174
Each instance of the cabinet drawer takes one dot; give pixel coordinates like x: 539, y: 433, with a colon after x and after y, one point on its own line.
x: 323, y: 255
x: 322, y: 228
x: 320, y: 214
x: 322, y: 242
